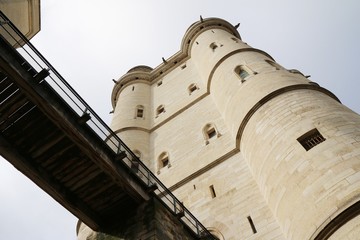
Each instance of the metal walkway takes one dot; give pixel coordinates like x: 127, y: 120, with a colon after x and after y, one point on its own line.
x: 50, y: 134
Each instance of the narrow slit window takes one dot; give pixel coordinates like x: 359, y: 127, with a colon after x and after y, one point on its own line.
x: 252, y: 225
x: 159, y: 83
x: 311, y: 139
x: 212, y: 191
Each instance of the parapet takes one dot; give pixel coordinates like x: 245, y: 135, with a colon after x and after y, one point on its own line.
x: 149, y: 74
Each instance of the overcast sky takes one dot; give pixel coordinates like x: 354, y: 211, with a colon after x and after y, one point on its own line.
x: 91, y: 42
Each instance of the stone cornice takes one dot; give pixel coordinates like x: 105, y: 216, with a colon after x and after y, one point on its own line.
x: 145, y: 72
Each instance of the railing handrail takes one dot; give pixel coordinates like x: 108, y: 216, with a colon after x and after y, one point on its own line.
x: 163, y: 192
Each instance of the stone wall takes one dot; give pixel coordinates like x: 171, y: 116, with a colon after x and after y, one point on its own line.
x: 24, y: 14
x: 267, y: 185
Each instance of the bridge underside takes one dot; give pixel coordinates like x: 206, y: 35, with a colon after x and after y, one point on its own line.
x: 44, y: 139
x: 50, y: 134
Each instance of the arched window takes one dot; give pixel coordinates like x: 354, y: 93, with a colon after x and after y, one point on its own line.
x: 242, y: 72
x: 139, y: 113
x: 216, y: 234
x: 192, y: 87
x: 295, y: 71
x: 163, y: 161
x: 275, y: 65
x: 137, y: 153
x: 235, y: 39
x: 213, y: 46
x: 210, y: 132
x: 160, y: 109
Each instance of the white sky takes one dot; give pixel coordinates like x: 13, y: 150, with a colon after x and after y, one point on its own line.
x: 91, y: 42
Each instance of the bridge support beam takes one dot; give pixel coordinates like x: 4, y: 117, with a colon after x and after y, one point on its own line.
x: 151, y: 220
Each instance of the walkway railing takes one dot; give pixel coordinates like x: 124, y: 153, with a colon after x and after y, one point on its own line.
x: 73, y: 99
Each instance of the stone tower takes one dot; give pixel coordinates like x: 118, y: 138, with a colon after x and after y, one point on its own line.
x: 254, y: 150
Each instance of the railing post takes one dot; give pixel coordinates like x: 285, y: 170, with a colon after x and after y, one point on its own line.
x: 3, y: 22
x: 148, y: 177
x: 197, y: 227
x: 174, y: 203
x: 118, y: 148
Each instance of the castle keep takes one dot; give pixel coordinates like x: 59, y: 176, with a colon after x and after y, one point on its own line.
x: 254, y: 150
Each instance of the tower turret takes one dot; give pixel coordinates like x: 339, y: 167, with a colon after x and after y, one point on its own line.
x: 278, y: 118
x: 253, y: 149
x: 131, y: 102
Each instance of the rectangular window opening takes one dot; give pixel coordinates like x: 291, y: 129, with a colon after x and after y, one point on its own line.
x: 140, y: 113
x: 192, y: 88
x: 243, y: 74
x: 311, y: 139
x: 212, y: 191
x: 211, y: 133
x: 165, y: 162
x: 252, y: 225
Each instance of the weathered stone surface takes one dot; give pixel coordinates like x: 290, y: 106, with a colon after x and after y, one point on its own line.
x: 25, y: 14
x: 252, y: 178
